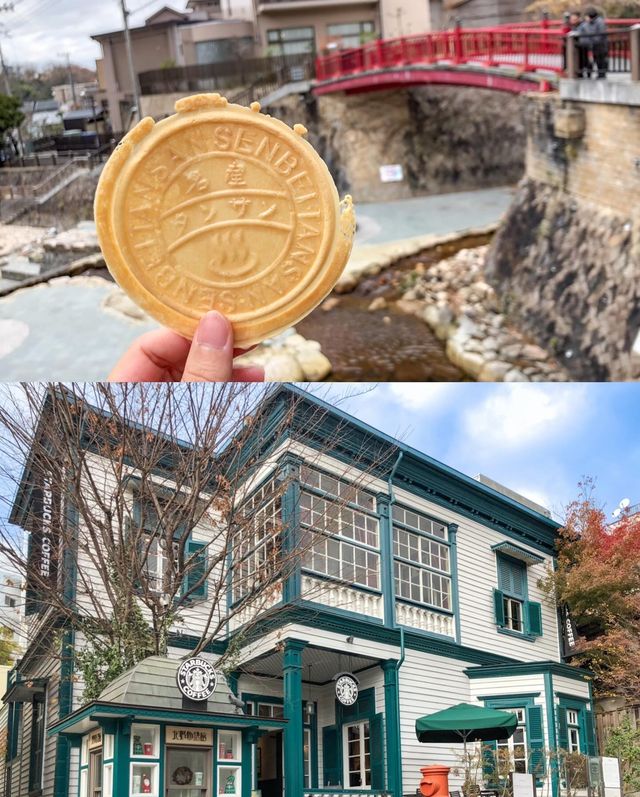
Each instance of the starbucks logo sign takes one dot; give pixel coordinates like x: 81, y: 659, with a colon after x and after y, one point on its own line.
x: 346, y: 689
x: 197, y: 679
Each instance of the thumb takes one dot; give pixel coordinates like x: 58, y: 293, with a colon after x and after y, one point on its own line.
x: 210, y: 358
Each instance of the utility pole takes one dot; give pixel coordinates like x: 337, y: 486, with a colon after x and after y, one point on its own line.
x: 5, y: 76
x: 132, y: 72
x: 72, y: 82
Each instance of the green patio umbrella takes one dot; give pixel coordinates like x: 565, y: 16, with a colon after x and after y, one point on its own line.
x: 466, y: 722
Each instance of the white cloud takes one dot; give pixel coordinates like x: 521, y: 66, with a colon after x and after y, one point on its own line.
x: 519, y: 415
x: 421, y: 396
x: 41, y: 31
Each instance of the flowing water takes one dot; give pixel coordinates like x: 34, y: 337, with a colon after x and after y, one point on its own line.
x: 385, y: 345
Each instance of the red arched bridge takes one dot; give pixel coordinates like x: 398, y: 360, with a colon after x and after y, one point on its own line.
x: 514, y: 58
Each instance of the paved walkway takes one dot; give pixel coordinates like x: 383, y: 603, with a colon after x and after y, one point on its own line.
x: 62, y: 330
x: 380, y: 222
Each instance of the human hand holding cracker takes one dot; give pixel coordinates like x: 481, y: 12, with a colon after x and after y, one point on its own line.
x: 165, y: 356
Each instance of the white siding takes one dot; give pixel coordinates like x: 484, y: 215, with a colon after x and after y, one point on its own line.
x: 428, y: 683
x: 571, y: 686
x: 477, y: 578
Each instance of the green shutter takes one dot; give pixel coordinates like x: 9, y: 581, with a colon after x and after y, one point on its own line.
x: 376, y: 735
x: 591, y: 739
x: 533, y: 618
x: 535, y: 733
x: 331, y: 756
x: 196, y: 568
x: 512, y: 577
x: 490, y: 763
x: 498, y: 598
x: 563, y: 733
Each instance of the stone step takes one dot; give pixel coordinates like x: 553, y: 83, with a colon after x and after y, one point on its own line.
x: 19, y: 267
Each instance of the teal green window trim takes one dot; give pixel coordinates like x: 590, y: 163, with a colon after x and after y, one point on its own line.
x: 453, y: 539
x: 363, y: 710
x: 333, y: 496
x: 509, y: 699
x: 36, y: 745
x: 585, y: 726
x: 323, y: 577
x: 511, y: 600
x: 441, y: 575
x: 430, y: 606
x: 195, y: 582
x: 534, y: 730
x: 318, y: 493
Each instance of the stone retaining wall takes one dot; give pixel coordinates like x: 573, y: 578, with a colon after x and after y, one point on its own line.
x: 566, y: 260
x: 446, y: 139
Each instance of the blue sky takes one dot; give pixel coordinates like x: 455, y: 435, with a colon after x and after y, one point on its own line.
x: 537, y: 439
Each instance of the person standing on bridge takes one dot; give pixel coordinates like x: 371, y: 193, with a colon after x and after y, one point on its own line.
x: 593, y: 39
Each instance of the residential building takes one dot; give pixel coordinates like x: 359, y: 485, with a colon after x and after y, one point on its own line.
x: 417, y: 590
x: 209, y: 32
x: 203, y: 34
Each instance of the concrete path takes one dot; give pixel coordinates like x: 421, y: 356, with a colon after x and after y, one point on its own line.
x: 75, y: 329
x: 380, y: 222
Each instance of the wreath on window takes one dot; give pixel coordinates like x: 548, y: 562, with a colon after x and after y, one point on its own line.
x: 182, y: 776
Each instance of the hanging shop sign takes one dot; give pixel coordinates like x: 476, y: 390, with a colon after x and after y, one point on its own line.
x: 43, y: 540
x: 569, y: 632
x: 346, y: 688
x: 193, y: 737
x: 197, y: 679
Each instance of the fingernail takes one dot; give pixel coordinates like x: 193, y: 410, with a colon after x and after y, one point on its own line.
x: 213, y: 331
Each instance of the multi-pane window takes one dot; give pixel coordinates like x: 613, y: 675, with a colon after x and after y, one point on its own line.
x: 357, y: 755
x: 414, y: 520
x: 156, y: 562
x: 291, y: 41
x: 333, y: 517
x: 512, y: 582
x: 341, y: 560
x: 512, y: 614
x: 338, y: 537
x: 422, y: 564
x: 271, y: 710
x: 573, y: 730
x: 341, y: 488
x: 37, y: 743
x: 350, y: 34
x: 256, y: 544
x: 512, y: 752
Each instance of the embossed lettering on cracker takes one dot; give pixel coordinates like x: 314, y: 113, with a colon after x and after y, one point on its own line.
x: 222, y: 207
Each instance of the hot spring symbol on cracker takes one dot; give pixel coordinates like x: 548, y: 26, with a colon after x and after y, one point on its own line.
x: 222, y: 207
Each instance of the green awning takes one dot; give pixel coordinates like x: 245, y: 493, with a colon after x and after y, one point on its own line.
x: 466, y: 723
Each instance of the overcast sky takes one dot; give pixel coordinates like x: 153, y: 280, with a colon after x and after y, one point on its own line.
x: 42, y: 31
x: 540, y: 440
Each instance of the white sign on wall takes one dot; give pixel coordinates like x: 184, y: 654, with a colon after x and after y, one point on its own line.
x: 522, y: 784
x: 611, y: 777
x: 391, y: 173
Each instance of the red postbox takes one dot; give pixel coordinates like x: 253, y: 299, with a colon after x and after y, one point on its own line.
x: 435, y: 781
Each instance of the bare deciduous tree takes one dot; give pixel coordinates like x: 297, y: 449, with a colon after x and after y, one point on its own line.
x: 111, y: 481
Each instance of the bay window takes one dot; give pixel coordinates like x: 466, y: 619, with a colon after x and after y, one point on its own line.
x: 422, y: 559
x: 339, y: 538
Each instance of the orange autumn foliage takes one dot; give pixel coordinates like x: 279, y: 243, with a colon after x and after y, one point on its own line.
x: 598, y: 577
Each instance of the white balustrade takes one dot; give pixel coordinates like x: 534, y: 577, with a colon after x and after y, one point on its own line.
x: 340, y: 596
x: 425, y: 619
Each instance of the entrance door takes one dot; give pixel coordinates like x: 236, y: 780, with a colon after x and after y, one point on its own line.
x: 357, y: 755
x: 269, y: 764
x: 188, y: 772
x: 95, y: 773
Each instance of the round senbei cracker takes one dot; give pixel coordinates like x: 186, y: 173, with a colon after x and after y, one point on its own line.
x: 220, y: 207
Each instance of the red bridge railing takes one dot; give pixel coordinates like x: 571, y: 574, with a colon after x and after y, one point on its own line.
x: 527, y: 46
